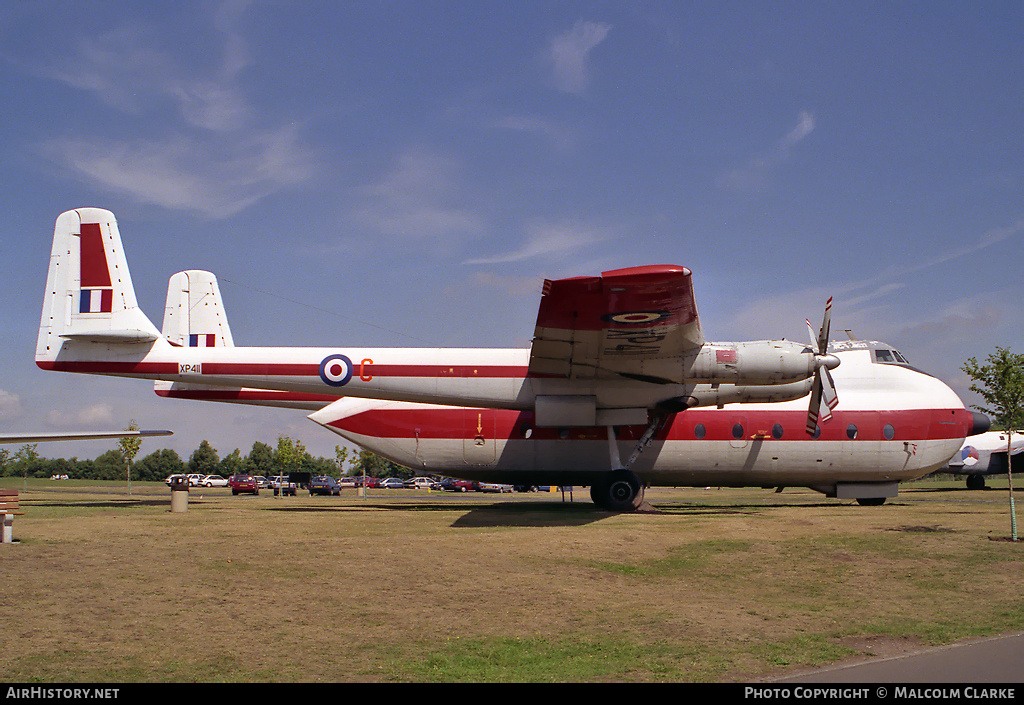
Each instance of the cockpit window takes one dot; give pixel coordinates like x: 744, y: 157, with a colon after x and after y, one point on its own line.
x: 892, y: 356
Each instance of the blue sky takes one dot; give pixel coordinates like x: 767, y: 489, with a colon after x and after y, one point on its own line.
x: 407, y: 174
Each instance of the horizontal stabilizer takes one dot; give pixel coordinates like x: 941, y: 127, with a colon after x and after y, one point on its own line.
x: 112, y: 336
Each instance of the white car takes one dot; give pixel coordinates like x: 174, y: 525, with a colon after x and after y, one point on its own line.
x: 213, y: 481
x: 194, y: 480
x: 494, y: 487
x: 423, y: 483
x: 280, y: 485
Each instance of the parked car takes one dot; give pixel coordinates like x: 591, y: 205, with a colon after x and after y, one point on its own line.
x: 450, y: 484
x: 263, y: 482
x: 213, y: 481
x: 350, y: 481
x: 392, y: 483
x: 280, y: 485
x: 423, y: 483
x: 243, y: 483
x: 194, y: 480
x: 494, y: 487
x: 324, y: 485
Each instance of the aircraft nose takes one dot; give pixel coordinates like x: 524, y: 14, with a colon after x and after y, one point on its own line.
x: 979, y: 424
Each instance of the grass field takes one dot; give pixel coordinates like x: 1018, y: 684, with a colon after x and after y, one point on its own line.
x: 406, y: 585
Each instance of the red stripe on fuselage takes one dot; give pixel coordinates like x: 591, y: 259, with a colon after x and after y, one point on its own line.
x: 279, y: 369
x: 719, y: 425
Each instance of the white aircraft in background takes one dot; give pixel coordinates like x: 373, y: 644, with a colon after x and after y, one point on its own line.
x: 986, y: 454
x: 620, y: 390
x: 74, y: 436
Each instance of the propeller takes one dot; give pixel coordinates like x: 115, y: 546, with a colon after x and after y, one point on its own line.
x: 823, y: 394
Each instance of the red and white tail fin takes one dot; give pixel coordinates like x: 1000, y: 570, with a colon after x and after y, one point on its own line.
x: 89, y: 294
x: 194, y: 316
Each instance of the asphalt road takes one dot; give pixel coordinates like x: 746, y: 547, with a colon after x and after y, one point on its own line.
x: 998, y: 659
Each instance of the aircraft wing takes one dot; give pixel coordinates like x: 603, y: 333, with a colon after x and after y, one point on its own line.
x: 624, y: 323
x: 74, y: 436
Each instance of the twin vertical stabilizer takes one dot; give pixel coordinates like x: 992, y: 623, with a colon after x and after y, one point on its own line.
x: 89, y: 292
x: 195, y: 316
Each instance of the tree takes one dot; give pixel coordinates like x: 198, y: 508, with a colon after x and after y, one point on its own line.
x: 159, y: 464
x: 26, y: 460
x: 129, y: 446
x: 204, y: 459
x: 108, y: 466
x: 1001, y: 384
x: 340, y: 458
x: 289, y: 455
x: 232, y: 464
x: 260, y: 460
x: 370, y: 464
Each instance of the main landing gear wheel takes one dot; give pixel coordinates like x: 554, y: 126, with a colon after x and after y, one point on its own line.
x: 619, y: 491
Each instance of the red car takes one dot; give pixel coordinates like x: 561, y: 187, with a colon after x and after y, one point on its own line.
x: 452, y: 485
x: 243, y: 483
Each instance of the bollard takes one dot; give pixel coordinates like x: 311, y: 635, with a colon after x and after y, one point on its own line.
x: 179, y: 495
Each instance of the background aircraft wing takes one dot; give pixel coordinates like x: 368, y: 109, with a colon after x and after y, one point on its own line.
x: 74, y: 436
x: 620, y: 324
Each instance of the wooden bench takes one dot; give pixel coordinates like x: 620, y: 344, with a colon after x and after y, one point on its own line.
x: 8, y: 509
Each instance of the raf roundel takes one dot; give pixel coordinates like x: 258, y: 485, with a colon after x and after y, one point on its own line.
x: 336, y: 370
x: 635, y: 317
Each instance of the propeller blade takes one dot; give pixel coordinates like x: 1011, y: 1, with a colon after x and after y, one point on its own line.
x: 815, y: 406
x: 829, y: 395
x: 826, y: 324
x: 823, y: 392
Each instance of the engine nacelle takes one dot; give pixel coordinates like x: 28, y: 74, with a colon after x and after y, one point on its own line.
x: 720, y: 394
x: 751, y: 363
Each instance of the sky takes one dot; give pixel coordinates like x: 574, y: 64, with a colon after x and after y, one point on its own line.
x: 407, y: 174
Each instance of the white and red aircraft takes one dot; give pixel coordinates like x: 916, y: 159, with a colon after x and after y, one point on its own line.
x: 619, y: 390
x: 989, y: 453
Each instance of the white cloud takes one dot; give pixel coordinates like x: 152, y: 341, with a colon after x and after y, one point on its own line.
x: 89, y: 417
x: 187, y: 172
x: 546, y: 240
x: 418, y: 199
x: 560, y: 136
x: 10, y: 406
x: 210, y: 154
x: 756, y: 173
x: 569, y: 54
